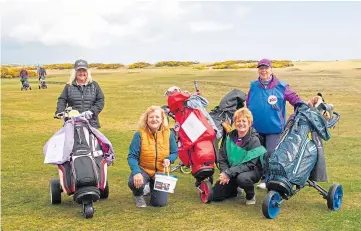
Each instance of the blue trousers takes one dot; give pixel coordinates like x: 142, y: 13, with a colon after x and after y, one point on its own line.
x: 270, y: 141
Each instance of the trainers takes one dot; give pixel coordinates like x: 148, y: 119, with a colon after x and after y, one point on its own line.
x: 240, y: 191
x: 146, y: 190
x: 140, y: 202
x: 252, y: 201
x: 262, y: 185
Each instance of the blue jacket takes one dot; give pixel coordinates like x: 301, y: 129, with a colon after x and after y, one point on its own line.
x: 134, y: 151
x: 269, y: 118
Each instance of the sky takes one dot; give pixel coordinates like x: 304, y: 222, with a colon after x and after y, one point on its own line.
x: 113, y: 31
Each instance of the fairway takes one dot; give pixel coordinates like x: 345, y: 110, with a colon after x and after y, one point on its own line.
x: 27, y: 123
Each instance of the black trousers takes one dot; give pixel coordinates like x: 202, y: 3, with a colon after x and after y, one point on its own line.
x: 245, y: 180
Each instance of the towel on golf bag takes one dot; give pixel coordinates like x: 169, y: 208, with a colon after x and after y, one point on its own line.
x: 296, y: 155
x: 59, y: 147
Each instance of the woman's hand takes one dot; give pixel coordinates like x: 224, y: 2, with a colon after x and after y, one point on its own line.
x: 223, y: 178
x: 166, y: 163
x: 312, y: 102
x: 138, y: 180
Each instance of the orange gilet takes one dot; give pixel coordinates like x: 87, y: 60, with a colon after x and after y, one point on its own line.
x: 154, y: 148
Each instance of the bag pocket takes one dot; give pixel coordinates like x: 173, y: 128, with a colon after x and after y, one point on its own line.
x: 84, y: 171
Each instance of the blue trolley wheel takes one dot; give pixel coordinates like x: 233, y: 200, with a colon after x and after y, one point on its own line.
x: 334, y: 197
x: 270, y: 206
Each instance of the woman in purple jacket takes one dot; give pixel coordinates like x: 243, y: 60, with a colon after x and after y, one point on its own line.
x: 266, y: 100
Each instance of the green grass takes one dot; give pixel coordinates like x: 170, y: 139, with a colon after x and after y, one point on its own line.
x: 27, y: 124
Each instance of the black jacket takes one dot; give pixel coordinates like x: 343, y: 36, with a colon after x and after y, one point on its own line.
x: 250, y: 141
x: 82, y: 98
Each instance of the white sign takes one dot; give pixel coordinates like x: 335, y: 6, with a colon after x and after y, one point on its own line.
x: 272, y: 99
x: 55, y: 150
x: 193, y: 127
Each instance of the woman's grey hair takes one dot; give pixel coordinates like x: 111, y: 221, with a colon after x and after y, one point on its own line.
x: 73, y: 76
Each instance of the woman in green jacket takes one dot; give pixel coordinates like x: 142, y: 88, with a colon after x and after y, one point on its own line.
x: 240, y: 160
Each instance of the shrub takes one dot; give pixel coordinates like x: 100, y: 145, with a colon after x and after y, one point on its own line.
x: 175, y: 63
x: 139, y: 65
x: 110, y: 66
x: 201, y: 67
x: 13, y: 72
x: 61, y: 66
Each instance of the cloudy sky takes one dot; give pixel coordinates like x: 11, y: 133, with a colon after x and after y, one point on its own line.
x: 112, y: 31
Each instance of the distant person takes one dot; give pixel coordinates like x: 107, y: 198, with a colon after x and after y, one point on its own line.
x: 41, y: 73
x: 23, y: 74
x: 82, y: 93
x: 266, y: 100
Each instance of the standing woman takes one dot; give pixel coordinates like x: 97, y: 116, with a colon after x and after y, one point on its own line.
x: 82, y: 94
x: 266, y: 100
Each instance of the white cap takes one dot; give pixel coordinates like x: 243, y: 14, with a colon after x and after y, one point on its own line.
x: 172, y: 89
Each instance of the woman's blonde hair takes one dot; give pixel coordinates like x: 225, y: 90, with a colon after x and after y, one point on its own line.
x: 243, y: 112
x: 144, y: 117
x: 73, y: 76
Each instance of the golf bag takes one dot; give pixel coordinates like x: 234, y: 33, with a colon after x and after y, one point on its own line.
x: 196, y: 136
x: 298, y: 152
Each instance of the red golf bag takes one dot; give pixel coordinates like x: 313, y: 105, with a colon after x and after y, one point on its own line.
x: 196, y: 136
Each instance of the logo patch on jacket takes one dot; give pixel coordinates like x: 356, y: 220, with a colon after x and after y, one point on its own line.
x: 272, y: 99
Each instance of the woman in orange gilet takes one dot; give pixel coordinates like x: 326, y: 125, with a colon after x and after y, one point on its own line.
x: 152, y: 149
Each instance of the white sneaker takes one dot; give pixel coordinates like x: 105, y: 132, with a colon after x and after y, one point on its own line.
x: 252, y: 201
x: 262, y: 186
x: 140, y: 202
x: 240, y: 191
x: 146, y: 190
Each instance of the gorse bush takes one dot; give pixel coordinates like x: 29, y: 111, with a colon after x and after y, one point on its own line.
x: 237, y: 64
x: 60, y: 66
x: 175, y: 63
x: 13, y: 72
x: 201, y: 67
x: 9, y: 71
x: 110, y: 66
x: 139, y: 65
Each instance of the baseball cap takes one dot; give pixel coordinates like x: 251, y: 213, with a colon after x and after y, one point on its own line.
x: 80, y: 64
x: 264, y: 62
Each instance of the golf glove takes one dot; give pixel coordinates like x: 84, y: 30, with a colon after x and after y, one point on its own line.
x: 87, y: 114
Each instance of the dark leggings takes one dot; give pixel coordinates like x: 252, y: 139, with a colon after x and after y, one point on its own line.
x: 157, y: 198
x: 245, y: 180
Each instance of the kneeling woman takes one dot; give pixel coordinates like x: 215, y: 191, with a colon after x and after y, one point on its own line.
x: 152, y: 149
x: 240, y: 160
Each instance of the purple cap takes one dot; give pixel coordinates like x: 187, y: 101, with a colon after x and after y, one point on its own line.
x: 264, y: 62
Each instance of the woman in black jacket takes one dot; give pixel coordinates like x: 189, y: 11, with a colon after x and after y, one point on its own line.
x: 82, y: 94
x: 240, y: 160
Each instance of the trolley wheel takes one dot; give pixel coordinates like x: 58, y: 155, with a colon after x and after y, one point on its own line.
x: 105, y: 193
x: 334, y: 197
x: 55, y: 191
x: 207, y: 194
x: 185, y: 169
x: 88, y: 211
x: 270, y: 206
